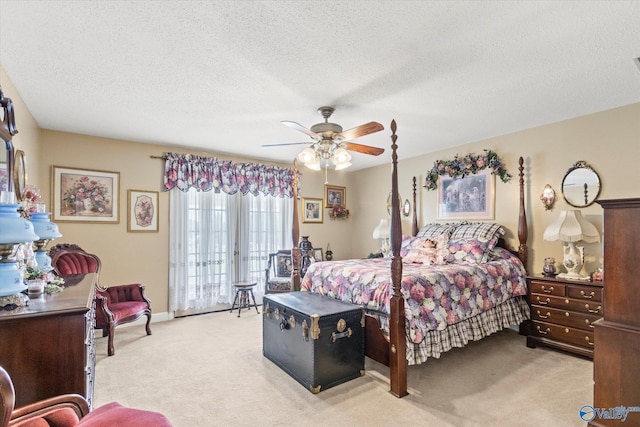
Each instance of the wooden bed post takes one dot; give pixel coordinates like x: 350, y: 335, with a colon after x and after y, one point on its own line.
x: 397, y: 332
x: 414, y: 224
x: 295, y: 232
x: 523, y: 233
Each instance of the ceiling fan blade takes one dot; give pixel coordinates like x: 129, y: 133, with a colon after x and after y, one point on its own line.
x: 361, y: 130
x: 366, y: 149
x: 300, y: 128
x: 286, y: 143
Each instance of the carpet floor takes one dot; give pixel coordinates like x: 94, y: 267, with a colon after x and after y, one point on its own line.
x: 209, y: 370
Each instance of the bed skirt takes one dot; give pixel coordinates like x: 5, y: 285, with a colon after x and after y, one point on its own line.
x: 512, y: 312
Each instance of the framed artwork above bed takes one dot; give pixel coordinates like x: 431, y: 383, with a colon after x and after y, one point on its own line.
x: 471, y: 197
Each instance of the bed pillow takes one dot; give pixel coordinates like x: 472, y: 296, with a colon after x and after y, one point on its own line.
x: 435, y: 229
x: 470, y: 251
x: 425, y: 251
x: 483, y: 231
x: 477, y: 230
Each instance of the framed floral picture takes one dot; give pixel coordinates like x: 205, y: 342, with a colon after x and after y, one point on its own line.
x: 142, y: 211
x: 471, y: 197
x: 84, y: 195
x: 312, y: 210
x: 335, y: 196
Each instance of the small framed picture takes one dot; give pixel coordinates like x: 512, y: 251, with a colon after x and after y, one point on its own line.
x: 334, y: 195
x: 84, y: 195
x: 317, y: 254
x: 142, y: 211
x: 311, y: 210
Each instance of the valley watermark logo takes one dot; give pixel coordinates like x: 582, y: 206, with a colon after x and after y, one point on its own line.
x: 588, y: 413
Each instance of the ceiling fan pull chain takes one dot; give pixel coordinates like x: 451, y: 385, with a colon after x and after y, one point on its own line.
x: 326, y: 174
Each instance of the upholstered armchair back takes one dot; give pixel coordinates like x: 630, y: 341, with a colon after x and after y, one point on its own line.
x: 68, y: 263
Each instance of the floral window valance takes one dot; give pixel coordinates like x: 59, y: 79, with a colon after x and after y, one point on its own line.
x: 186, y: 171
x: 470, y: 164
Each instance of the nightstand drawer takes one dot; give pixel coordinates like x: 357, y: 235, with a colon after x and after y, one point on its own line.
x: 546, y: 288
x: 585, y: 293
x: 564, y: 334
x: 564, y: 317
x: 591, y: 307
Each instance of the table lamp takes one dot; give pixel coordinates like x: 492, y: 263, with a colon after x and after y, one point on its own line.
x: 571, y: 227
x: 382, y: 232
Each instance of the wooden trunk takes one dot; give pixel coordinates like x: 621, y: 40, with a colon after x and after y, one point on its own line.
x: 317, y: 340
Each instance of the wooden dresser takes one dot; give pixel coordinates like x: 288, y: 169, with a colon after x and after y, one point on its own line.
x: 47, y: 347
x: 616, y: 363
x: 563, y: 312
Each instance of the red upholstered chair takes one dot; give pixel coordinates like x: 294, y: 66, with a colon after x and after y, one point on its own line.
x: 70, y: 410
x: 115, y: 305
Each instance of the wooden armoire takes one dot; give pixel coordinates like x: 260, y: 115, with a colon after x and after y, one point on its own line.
x: 616, y: 362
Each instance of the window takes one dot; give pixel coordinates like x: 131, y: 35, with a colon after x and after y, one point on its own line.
x: 206, y: 228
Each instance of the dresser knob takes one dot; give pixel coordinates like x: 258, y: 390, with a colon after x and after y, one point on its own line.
x: 543, y: 316
x: 586, y: 338
x: 547, y: 291
x: 543, y: 303
x: 588, y: 322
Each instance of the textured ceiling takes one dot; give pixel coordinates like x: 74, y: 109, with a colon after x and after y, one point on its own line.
x: 219, y: 76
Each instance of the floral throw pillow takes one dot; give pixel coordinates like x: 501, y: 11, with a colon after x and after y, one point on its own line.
x: 471, y: 250
x: 424, y: 251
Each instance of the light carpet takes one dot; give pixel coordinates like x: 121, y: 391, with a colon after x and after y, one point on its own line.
x: 209, y: 370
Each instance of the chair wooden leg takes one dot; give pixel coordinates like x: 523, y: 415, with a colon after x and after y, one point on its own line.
x: 148, y: 324
x: 110, y: 348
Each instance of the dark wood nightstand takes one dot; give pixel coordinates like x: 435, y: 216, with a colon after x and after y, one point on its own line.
x: 562, y: 313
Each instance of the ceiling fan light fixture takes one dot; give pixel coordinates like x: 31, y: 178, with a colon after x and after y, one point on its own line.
x: 308, y: 155
x: 340, y: 155
x: 343, y: 165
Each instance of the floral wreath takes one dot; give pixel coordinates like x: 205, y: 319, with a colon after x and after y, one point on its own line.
x: 470, y: 164
x: 338, y: 211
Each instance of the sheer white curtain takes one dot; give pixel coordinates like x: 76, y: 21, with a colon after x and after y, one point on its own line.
x: 264, y: 226
x: 202, y: 238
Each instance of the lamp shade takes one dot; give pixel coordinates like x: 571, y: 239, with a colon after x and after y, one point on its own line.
x: 14, y: 228
x: 45, y: 229
x: 382, y: 230
x: 571, y: 226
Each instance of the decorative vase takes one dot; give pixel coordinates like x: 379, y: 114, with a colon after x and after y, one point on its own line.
x: 549, y: 269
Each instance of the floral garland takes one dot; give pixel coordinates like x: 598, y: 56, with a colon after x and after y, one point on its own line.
x: 470, y: 164
x: 338, y: 211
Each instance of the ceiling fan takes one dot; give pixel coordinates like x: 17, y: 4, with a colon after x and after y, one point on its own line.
x: 331, y: 142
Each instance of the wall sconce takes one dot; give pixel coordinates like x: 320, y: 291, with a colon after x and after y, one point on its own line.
x: 548, y: 197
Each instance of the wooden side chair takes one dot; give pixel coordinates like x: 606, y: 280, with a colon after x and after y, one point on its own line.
x: 69, y: 410
x: 115, y: 305
x: 278, y: 272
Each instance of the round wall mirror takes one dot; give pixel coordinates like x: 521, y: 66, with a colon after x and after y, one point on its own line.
x: 20, y: 174
x: 581, y: 185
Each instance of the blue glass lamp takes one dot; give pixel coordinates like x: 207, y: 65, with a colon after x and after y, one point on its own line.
x: 46, y: 231
x: 14, y: 230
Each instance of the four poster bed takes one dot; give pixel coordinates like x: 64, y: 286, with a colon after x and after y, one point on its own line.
x: 465, y: 288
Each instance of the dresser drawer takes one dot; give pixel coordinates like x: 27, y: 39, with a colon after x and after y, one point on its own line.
x: 585, y: 293
x: 564, y: 317
x: 546, y: 288
x: 564, y: 334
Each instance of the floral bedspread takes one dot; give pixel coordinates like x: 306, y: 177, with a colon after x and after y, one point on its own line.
x: 435, y: 296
